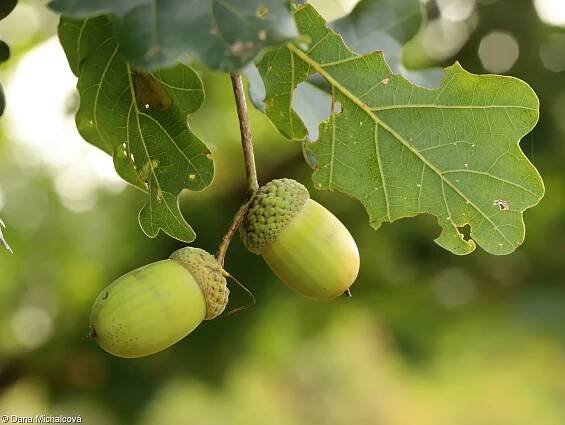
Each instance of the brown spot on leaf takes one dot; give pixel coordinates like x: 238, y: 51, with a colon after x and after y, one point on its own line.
x: 149, y: 93
x: 501, y: 204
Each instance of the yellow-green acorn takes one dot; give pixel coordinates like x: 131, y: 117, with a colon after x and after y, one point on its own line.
x: 154, y: 306
x: 303, y: 243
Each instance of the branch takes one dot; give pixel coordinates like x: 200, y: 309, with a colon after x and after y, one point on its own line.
x: 245, y: 130
x: 236, y: 222
x: 250, y: 169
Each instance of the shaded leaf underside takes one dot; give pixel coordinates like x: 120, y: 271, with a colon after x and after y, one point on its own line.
x: 387, y: 26
x: 140, y: 119
x: 222, y: 34
x: 374, y: 22
x: 403, y: 150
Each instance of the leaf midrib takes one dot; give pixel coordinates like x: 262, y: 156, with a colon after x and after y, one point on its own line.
x: 438, y: 106
x: 130, y: 82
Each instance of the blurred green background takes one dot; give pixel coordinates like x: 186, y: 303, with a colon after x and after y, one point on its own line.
x: 428, y: 338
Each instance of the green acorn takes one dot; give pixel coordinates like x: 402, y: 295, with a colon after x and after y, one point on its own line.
x: 155, y: 306
x: 303, y: 243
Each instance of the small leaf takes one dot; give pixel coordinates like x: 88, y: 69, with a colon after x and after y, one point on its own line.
x: 6, y: 7
x: 4, y: 56
x: 223, y: 34
x: 403, y: 150
x: 2, y: 101
x: 141, y: 120
x: 4, y: 52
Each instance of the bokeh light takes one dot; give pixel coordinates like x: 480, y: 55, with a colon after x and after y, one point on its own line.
x: 41, y: 86
x: 551, y: 12
x: 552, y: 52
x: 498, y: 51
x: 456, y: 10
x: 31, y: 326
x: 442, y: 38
x: 333, y: 9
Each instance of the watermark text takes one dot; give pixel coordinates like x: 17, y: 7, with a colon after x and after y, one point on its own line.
x: 41, y: 419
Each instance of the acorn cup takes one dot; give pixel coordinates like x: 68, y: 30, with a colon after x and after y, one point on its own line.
x: 303, y: 243
x: 153, y: 307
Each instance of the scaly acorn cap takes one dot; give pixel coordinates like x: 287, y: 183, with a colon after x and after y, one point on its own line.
x: 208, y: 274
x: 273, y: 208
